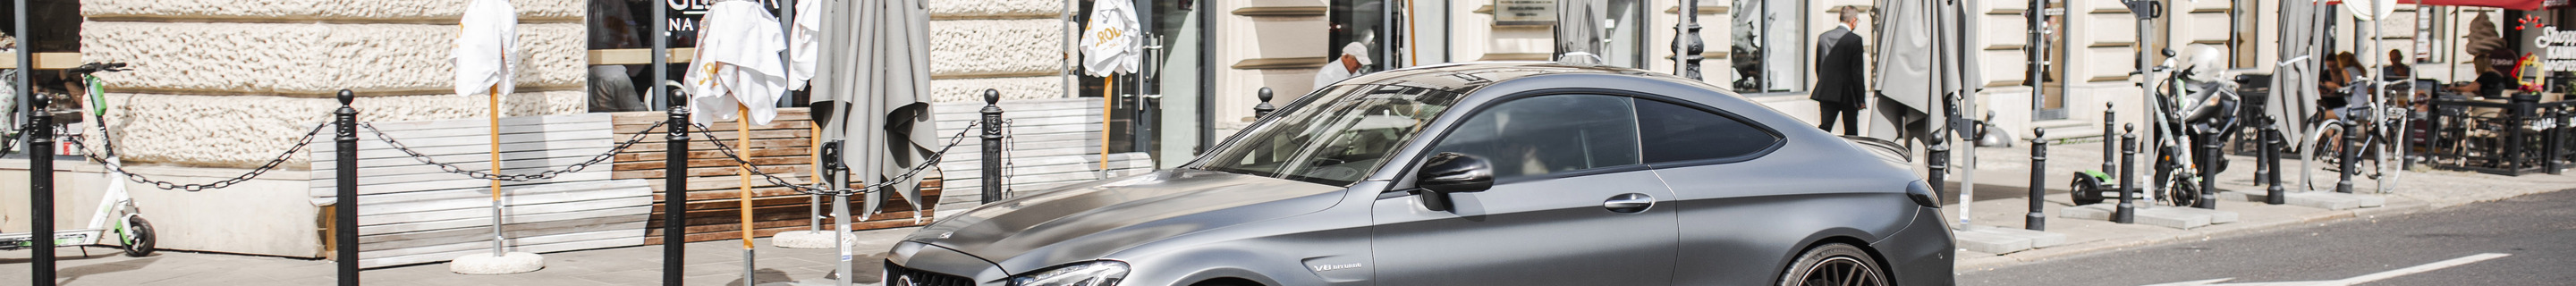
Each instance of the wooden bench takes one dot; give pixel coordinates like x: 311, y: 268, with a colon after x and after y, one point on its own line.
x: 412, y: 213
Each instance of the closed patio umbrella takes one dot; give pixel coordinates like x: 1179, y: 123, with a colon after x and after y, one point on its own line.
x: 871, y: 91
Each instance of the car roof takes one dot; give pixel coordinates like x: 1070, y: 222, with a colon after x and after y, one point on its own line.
x: 1470, y: 77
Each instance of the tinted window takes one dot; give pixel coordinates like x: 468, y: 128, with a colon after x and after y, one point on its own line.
x: 1549, y: 134
x: 1677, y: 133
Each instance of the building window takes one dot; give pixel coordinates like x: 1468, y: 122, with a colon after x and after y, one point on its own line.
x: 1768, y: 46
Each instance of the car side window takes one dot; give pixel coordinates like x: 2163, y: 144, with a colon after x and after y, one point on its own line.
x: 1673, y: 132
x: 1549, y: 134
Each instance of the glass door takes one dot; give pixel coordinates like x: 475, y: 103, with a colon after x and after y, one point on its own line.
x: 1173, y: 119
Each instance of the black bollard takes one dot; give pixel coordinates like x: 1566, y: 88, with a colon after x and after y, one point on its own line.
x: 40, y: 179
x: 992, y: 188
x: 2128, y: 209
x: 1940, y: 164
x: 2553, y: 143
x: 2110, y: 139
x: 2035, y: 220
x: 345, y: 211
x: 1261, y: 111
x: 2351, y: 132
x: 2209, y: 159
x: 675, y: 190
x: 2272, y: 157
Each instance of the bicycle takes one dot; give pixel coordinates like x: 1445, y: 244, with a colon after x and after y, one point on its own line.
x: 133, y: 234
x: 2378, y: 122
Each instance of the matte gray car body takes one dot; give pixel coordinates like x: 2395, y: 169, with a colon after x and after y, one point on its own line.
x: 1728, y: 222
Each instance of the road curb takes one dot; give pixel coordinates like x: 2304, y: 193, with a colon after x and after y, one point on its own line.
x: 2395, y: 206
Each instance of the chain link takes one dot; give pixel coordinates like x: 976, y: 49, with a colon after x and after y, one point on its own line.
x: 548, y: 174
x: 746, y: 165
x: 272, y: 164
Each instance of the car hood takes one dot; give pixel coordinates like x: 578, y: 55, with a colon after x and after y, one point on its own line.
x: 1088, y: 220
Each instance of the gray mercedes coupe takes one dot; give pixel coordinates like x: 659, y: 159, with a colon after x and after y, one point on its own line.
x: 1504, y: 173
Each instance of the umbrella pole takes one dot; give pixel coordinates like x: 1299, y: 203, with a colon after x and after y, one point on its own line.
x: 496, y: 170
x: 814, y: 204
x: 1108, y: 103
x: 742, y: 145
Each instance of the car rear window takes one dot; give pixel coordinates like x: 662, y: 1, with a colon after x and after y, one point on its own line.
x: 1675, y: 133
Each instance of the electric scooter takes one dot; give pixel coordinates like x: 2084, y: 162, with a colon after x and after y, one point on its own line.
x: 130, y: 232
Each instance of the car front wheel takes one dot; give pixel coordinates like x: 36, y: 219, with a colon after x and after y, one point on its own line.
x: 1834, y: 264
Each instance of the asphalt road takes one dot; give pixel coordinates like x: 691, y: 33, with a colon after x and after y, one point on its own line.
x: 2536, y: 234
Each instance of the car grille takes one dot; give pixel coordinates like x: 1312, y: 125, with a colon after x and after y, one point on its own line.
x: 895, y: 273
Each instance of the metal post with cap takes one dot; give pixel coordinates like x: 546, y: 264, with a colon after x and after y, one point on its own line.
x: 2272, y: 156
x: 344, y: 210
x: 40, y: 155
x: 992, y: 169
x: 2035, y: 220
x: 2128, y: 208
x: 1261, y: 111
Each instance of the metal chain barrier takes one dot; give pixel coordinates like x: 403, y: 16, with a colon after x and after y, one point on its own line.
x: 548, y: 174
x: 745, y: 164
x: 272, y: 164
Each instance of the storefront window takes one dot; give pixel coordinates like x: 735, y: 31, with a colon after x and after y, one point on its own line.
x: 1767, y: 47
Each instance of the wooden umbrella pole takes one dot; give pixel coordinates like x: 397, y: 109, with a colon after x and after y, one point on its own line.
x: 1108, y: 101
x: 742, y: 146
x: 814, y: 204
x: 495, y: 131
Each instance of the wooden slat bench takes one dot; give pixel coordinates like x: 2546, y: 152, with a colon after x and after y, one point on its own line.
x: 412, y: 213
x: 784, y: 147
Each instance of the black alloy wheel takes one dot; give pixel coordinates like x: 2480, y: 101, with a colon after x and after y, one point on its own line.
x: 1834, y: 264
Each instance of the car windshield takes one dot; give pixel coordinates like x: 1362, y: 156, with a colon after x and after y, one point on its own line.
x: 1335, y: 137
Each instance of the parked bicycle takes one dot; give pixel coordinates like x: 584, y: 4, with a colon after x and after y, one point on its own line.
x: 2379, y: 122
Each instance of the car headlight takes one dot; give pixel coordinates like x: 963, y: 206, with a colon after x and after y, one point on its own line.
x: 1094, y: 273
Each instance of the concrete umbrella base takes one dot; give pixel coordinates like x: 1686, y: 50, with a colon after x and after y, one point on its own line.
x: 805, y: 239
x: 482, y: 263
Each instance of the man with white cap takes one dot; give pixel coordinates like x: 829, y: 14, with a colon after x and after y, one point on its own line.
x: 1354, y: 56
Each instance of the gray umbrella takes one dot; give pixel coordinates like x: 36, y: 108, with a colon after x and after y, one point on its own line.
x: 871, y: 86
x: 1924, y: 55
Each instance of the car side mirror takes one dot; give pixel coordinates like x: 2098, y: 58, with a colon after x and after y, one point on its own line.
x: 1451, y: 172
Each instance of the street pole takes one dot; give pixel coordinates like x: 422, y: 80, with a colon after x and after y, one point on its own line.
x: 992, y: 177
x: 1686, y: 48
x: 344, y: 223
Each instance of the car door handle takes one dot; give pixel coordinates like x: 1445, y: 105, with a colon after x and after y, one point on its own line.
x: 1629, y: 203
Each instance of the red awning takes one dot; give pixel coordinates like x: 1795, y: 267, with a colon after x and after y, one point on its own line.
x: 2507, y: 4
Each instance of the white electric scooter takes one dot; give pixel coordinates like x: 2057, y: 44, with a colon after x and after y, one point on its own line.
x: 130, y: 232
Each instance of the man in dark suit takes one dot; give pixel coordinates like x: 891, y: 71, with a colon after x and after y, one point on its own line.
x: 1840, y: 87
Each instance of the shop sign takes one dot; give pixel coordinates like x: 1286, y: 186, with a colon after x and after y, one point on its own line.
x: 1525, y: 12
x: 2559, y: 49
x: 685, y: 14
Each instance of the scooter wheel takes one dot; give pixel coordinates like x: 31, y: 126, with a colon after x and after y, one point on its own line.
x: 140, y: 241
x: 2084, y: 190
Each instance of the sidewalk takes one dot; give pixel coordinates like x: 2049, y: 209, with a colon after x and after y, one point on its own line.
x: 2007, y: 170
x: 709, y: 263
x: 2002, y: 178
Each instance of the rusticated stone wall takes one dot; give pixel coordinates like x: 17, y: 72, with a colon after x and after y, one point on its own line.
x: 1013, y: 46
x: 229, y: 83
